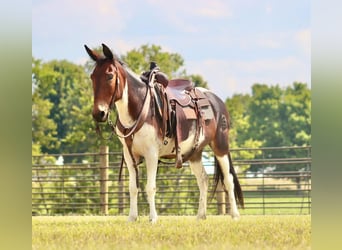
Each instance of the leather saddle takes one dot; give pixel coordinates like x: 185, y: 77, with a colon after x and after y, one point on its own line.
x: 178, y: 90
x: 182, y: 102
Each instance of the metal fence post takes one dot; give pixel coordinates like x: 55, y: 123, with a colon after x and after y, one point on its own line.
x: 77, y: 186
x: 104, y: 164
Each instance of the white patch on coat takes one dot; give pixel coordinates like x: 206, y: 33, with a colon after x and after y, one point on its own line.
x: 146, y: 138
x: 202, y: 181
x: 229, y: 184
x: 122, y: 108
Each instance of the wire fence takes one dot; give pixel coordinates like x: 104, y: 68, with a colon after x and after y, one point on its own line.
x: 273, y: 180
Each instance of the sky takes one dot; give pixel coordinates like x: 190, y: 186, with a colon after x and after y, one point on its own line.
x: 231, y: 44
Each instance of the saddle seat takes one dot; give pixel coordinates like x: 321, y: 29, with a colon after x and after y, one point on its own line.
x: 178, y: 90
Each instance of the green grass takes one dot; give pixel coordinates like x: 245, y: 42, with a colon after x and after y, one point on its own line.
x: 171, y: 232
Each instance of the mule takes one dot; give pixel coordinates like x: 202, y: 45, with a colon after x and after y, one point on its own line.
x: 142, y: 133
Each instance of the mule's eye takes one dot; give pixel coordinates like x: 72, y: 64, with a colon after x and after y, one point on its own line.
x: 109, y: 77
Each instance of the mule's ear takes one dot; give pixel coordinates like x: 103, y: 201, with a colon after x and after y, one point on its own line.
x: 107, y: 52
x: 91, y: 53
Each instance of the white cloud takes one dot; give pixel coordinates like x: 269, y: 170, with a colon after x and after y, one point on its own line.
x: 212, y: 9
x: 285, y: 39
x: 267, y: 65
x: 226, y: 78
x: 303, y: 38
x: 204, y: 8
x: 180, y: 14
x: 268, y: 9
x: 220, y: 40
x: 70, y: 17
x: 269, y: 43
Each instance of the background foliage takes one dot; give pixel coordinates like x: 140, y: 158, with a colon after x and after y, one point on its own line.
x: 62, y: 102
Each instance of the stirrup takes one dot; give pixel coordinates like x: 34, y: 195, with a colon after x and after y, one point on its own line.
x: 179, y: 160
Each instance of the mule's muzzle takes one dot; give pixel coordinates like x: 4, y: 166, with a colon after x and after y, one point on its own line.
x: 100, y: 115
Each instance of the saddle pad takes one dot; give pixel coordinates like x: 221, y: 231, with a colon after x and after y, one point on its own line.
x: 207, y: 112
x: 189, y: 113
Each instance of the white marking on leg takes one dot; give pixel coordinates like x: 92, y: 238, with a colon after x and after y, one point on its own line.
x: 133, y: 190
x: 152, y: 165
x: 202, y: 181
x: 146, y: 144
x: 229, y: 185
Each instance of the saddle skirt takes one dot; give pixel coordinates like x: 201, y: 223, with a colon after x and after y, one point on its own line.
x: 182, y: 103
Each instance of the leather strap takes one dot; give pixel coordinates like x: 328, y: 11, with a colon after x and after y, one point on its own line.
x: 127, y: 132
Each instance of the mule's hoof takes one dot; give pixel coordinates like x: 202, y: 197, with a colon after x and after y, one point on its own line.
x: 132, y: 218
x: 201, y: 217
x: 235, y: 216
x: 153, y: 220
x: 179, y: 165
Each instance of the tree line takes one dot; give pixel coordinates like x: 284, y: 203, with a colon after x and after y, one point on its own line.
x: 62, y: 102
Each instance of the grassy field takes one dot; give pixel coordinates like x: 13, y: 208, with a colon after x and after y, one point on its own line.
x: 171, y: 232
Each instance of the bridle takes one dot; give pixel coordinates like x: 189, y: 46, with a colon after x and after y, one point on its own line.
x: 126, y: 132
x: 111, y: 107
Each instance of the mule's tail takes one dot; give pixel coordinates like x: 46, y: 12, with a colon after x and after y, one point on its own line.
x: 218, y: 176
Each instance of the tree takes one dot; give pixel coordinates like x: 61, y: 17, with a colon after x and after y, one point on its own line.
x: 43, y: 126
x: 281, y: 117
x: 295, y: 113
x: 61, y: 109
x: 271, y: 117
x: 265, y: 116
x: 172, y: 64
x: 198, y: 80
x: 239, y: 112
x: 139, y: 60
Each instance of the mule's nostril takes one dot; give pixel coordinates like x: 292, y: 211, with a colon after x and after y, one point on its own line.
x: 100, y: 116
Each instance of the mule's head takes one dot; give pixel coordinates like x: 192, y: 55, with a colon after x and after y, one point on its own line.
x: 106, y: 82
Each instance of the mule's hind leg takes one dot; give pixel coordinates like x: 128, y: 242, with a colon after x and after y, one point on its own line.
x: 202, y: 181
x: 229, y: 184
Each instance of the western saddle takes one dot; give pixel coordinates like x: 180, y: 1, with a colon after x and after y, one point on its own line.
x: 177, y: 101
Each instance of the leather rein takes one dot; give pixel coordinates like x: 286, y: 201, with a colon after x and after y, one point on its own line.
x: 125, y: 131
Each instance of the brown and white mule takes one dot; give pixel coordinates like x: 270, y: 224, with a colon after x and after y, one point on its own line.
x: 141, y: 133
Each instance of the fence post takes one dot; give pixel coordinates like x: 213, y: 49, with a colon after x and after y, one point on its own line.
x: 104, y: 164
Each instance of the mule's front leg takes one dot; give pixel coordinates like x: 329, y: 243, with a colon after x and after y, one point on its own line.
x: 152, y: 165
x: 133, y: 190
x: 133, y: 195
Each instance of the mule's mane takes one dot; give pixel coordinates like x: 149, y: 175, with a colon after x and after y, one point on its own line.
x: 102, y: 59
x: 132, y: 74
